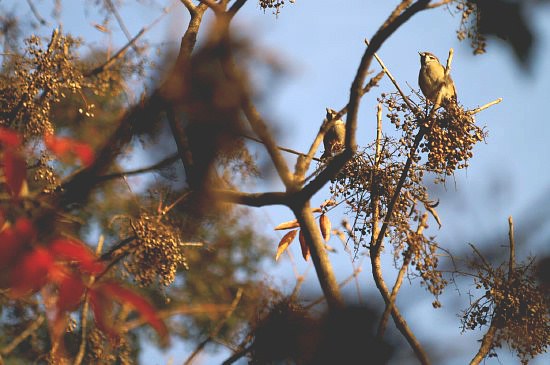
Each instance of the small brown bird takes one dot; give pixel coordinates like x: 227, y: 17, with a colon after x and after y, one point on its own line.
x: 432, y: 77
x: 335, y: 135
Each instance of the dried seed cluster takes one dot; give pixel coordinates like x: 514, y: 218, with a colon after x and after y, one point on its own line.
x: 450, y: 140
x: 276, y: 5
x: 469, y: 25
x: 98, y: 351
x: 516, y: 305
x: 158, y: 252
x: 45, y: 174
x: 38, y: 81
x: 425, y: 260
x: 368, y: 186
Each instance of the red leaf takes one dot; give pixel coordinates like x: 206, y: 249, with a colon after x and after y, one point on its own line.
x: 71, y: 290
x: 126, y: 296
x: 31, y: 272
x: 65, y: 147
x: 85, y: 153
x: 101, y: 306
x: 10, y: 247
x: 15, y: 170
x: 69, y: 249
x: 9, y: 138
x: 13, y: 240
x: 25, y: 229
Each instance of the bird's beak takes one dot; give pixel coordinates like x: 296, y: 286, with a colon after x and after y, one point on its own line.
x: 420, y: 53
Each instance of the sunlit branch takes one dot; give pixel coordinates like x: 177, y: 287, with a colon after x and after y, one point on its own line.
x: 483, y: 107
x: 438, y: 4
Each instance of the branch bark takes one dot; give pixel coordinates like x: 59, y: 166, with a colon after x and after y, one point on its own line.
x: 324, y: 270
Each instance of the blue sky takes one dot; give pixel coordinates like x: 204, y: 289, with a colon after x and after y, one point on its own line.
x: 320, y: 43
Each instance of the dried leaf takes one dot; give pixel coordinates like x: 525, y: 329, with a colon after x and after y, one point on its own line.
x: 287, y: 225
x: 285, y: 242
x: 316, y: 210
x: 304, y: 246
x: 325, y: 226
x: 434, y: 214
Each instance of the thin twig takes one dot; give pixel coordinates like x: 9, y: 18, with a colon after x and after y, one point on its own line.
x: 157, y: 166
x: 512, y: 260
x: 120, y: 22
x: 183, y: 309
x: 216, y: 329
x: 441, y: 3
x: 35, y: 12
x: 284, y: 149
x: 394, y: 81
x: 477, y: 110
x: 22, y: 336
x: 342, y: 284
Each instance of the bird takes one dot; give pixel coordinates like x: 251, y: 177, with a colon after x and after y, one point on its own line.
x: 335, y: 135
x: 432, y: 77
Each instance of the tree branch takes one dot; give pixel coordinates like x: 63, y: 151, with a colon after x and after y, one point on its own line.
x: 22, y: 336
x: 253, y: 199
x: 400, y: 276
x: 216, y: 329
x: 398, y: 319
x: 316, y: 245
x: 399, y: 16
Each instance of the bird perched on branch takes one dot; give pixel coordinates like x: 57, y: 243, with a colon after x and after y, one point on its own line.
x: 335, y: 135
x: 431, y: 79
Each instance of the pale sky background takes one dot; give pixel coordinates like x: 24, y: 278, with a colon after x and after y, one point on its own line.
x: 320, y: 43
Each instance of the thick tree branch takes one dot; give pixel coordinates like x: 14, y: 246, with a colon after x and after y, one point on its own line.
x: 398, y: 17
x: 252, y: 199
x: 316, y: 244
